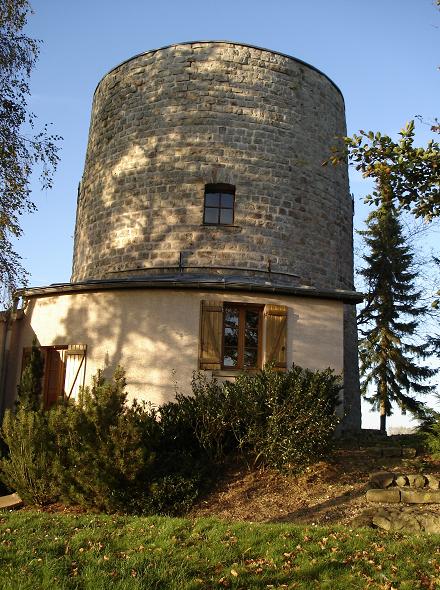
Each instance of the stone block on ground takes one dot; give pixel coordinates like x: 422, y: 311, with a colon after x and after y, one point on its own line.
x: 10, y: 501
x: 403, y: 519
x: 381, y: 521
x: 418, y: 496
x: 365, y: 519
x: 430, y: 522
x: 433, y: 482
x: 401, y: 481
x: 391, y: 495
x: 416, y: 480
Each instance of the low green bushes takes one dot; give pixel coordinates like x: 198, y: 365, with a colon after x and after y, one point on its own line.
x: 280, y: 419
x: 103, y: 453
x: 92, y: 452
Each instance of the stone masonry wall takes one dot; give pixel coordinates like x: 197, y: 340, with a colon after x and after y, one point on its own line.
x: 167, y: 122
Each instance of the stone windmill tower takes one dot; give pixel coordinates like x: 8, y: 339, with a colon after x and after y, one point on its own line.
x: 208, y: 234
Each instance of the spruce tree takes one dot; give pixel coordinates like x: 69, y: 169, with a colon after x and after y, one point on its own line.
x: 407, y: 177
x: 389, y: 320
x: 31, y: 382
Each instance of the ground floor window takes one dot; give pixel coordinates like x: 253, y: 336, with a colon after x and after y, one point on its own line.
x: 242, y: 336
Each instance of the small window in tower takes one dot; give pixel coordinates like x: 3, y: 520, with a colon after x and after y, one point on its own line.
x: 219, y: 204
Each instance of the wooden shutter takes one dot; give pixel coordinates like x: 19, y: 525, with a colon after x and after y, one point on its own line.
x: 276, y: 335
x: 75, y: 369
x: 53, y: 375
x: 211, y: 333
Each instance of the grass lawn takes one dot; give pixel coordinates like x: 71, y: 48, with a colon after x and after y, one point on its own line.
x: 39, y: 550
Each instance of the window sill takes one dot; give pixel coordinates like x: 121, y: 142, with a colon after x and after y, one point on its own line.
x: 232, y: 372
x: 220, y: 225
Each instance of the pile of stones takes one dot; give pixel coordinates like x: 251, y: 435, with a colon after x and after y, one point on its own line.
x: 389, y: 487
x: 407, y: 490
x: 401, y: 518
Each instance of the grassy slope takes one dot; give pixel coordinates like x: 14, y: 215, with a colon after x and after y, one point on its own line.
x: 39, y: 551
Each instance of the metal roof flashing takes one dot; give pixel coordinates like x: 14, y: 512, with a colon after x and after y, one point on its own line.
x: 194, y: 282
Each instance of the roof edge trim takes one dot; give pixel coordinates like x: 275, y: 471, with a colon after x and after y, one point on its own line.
x: 194, y: 283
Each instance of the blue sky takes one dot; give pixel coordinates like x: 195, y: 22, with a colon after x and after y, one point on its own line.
x: 383, y: 55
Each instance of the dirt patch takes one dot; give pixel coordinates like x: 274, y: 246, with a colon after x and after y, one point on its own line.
x: 331, y: 491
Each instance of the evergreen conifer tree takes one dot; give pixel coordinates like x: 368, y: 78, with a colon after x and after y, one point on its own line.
x: 390, y: 318
x: 30, y: 386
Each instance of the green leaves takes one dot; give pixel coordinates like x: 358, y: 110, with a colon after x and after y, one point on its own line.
x: 22, y: 147
x: 281, y: 419
x: 412, y: 173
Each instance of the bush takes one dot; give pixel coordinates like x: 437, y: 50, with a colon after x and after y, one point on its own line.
x: 28, y: 466
x: 29, y: 391
x: 198, y: 424
x: 283, y: 420
x: 430, y: 431
x: 104, y: 458
x: 102, y: 453
x: 96, y: 452
x: 175, y: 493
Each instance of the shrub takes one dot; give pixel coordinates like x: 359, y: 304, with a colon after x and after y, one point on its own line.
x: 104, y: 455
x: 184, y: 463
x: 27, y: 465
x: 29, y: 391
x: 198, y: 424
x: 96, y: 452
x: 175, y: 493
x: 430, y: 430
x: 27, y: 468
x: 284, y: 420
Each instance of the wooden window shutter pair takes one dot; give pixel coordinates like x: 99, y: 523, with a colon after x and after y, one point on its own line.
x: 211, y: 335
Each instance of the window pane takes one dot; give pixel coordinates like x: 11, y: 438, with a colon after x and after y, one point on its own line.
x: 250, y: 357
x: 251, y: 329
x: 227, y: 201
x: 230, y: 359
x: 231, y: 337
x: 211, y: 215
x: 231, y: 328
x: 212, y: 200
x: 226, y: 216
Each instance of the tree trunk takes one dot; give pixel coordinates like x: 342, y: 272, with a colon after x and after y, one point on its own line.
x: 383, y: 417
